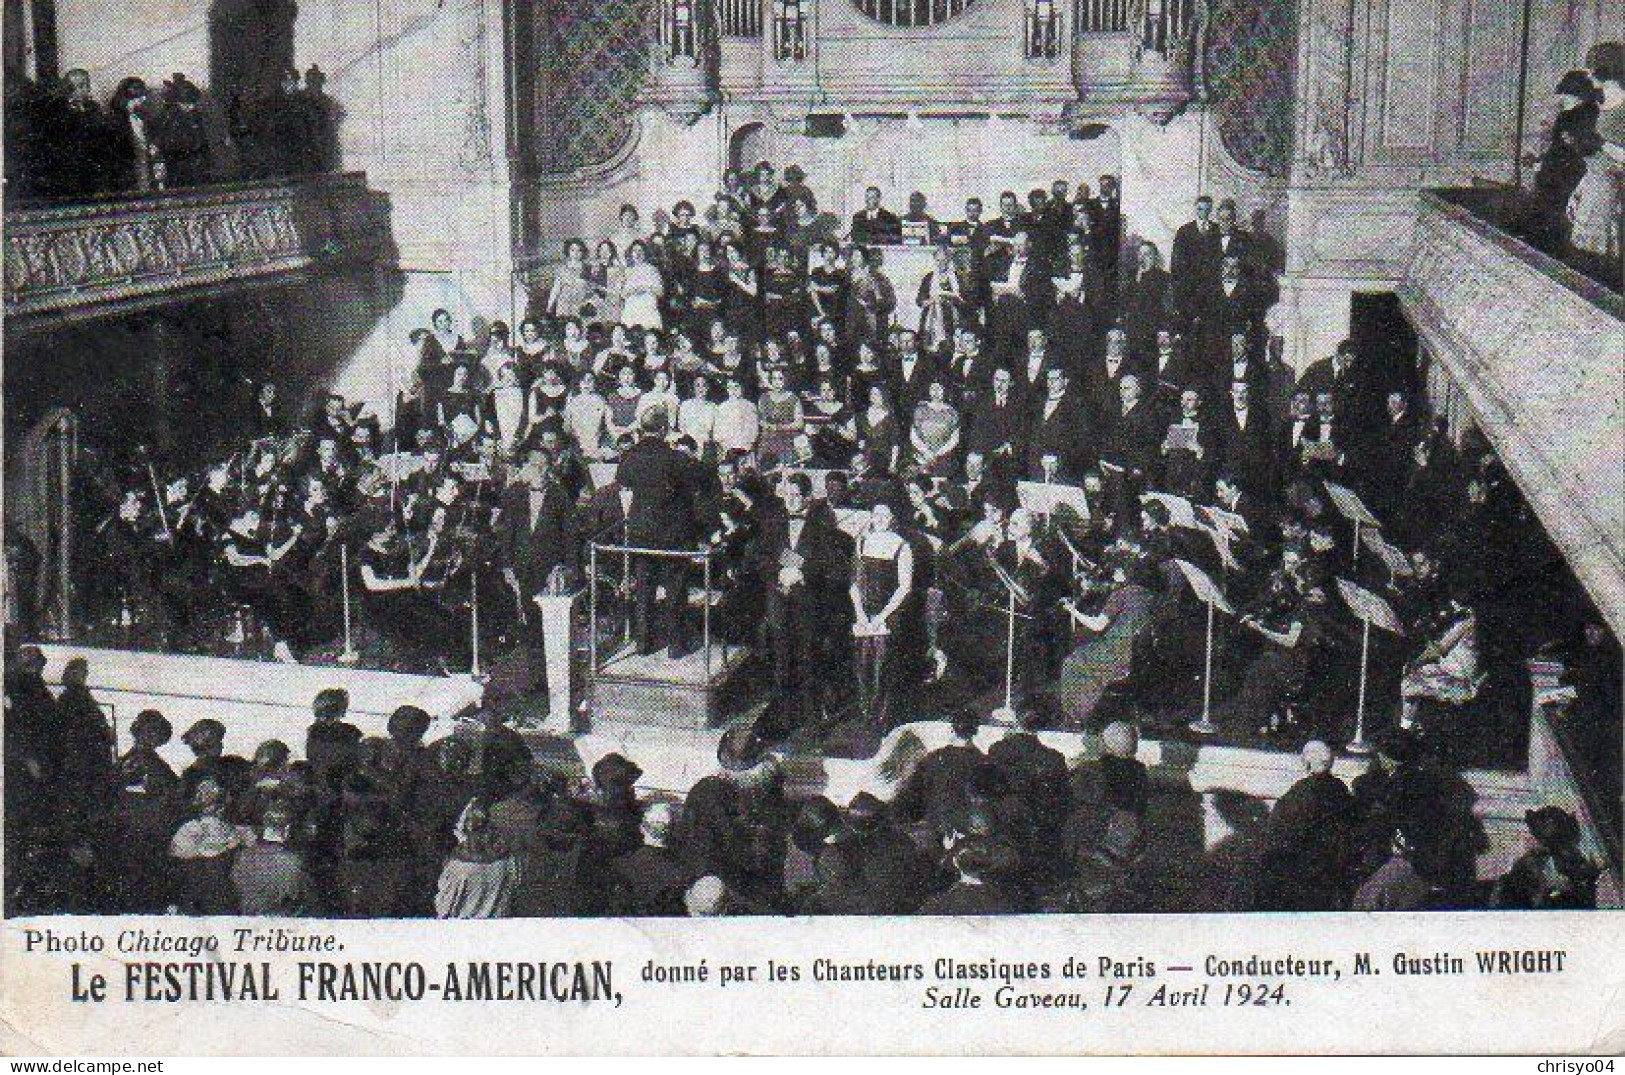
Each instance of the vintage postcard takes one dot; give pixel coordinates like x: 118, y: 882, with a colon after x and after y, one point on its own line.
x: 813, y: 526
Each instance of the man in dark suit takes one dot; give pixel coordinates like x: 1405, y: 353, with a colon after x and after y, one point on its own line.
x: 1105, y: 228
x: 1063, y: 427
x: 1308, y: 841
x: 1347, y: 376
x: 1032, y: 370
x: 1190, y: 450
x: 1233, y: 241
x: 874, y: 224
x: 1022, y: 297
x: 970, y: 368
x: 1102, y: 377
x: 1171, y: 370
x: 666, y: 490
x: 1246, y: 443
x: 1129, y: 451
x: 911, y: 371
x: 795, y: 563
x: 1145, y: 306
x: 1194, y: 262
x: 537, y: 539
x: 998, y: 422
x: 1234, y: 303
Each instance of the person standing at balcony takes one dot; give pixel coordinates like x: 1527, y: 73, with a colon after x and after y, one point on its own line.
x: 76, y: 135
x: 136, y: 147
x: 181, y: 138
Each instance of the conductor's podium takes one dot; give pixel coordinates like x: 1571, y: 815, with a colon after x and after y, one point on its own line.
x: 656, y: 690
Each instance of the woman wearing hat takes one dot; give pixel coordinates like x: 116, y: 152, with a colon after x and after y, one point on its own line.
x: 148, y: 812
x: 1554, y: 875
x: 203, y: 850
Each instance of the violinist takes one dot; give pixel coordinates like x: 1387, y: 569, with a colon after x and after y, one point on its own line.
x: 250, y: 559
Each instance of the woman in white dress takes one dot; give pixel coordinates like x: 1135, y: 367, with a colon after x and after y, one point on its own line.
x: 586, y: 416
x: 572, y: 290
x: 697, y: 415
x: 505, y: 408
x: 643, y: 288
x: 737, y: 423
x: 662, y: 397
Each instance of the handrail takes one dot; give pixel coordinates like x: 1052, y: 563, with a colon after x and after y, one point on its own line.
x: 1472, y: 208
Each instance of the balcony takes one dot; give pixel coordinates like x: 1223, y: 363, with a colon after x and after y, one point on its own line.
x: 1535, y: 348
x: 67, y: 262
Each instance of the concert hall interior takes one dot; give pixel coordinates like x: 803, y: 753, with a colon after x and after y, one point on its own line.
x: 489, y: 458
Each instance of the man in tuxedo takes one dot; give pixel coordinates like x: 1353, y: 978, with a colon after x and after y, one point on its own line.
x: 536, y: 537
x: 1022, y: 296
x: 1190, y: 450
x: 970, y: 368
x: 795, y: 562
x: 666, y: 492
x: 1145, y: 303
x: 1001, y: 237
x: 998, y: 422
x: 1233, y: 241
x: 1194, y: 262
x: 1105, y: 229
x: 1246, y: 444
x: 964, y: 495
x: 1170, y: 371
x: 1033, y: 371
x: 1234, y: 304
x: 1102, y: 378
x: 1061, y: 426
x: 1242, y: 361
x: 911, y: 371
x: 874, y: 224
x: 1130, y: 447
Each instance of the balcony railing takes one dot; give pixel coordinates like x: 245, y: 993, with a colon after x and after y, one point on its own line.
x: 1103, y: 16
x: 68, y: 261
x: 740, y: 18
x: 1534, y: 347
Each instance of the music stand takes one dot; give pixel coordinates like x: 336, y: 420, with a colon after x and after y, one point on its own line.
x: 349, y: 656
x: 1014, y: 592
x: 1211, y: 596
x: 1368, y: 608
x: 1352, y: 508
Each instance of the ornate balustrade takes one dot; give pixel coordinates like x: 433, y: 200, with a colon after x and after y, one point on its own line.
x: 1535, y: 348
x: 89, y: 259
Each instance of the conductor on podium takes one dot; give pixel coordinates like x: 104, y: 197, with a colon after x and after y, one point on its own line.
x: 666, y: 488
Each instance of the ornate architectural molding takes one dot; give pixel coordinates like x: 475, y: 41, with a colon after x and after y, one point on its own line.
x: 92, y: 258
x: 1536, y: 352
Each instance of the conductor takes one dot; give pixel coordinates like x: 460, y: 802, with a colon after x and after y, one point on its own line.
x: 666, y: 489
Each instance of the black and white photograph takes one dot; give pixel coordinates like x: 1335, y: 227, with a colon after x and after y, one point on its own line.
x: 773, y: 460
